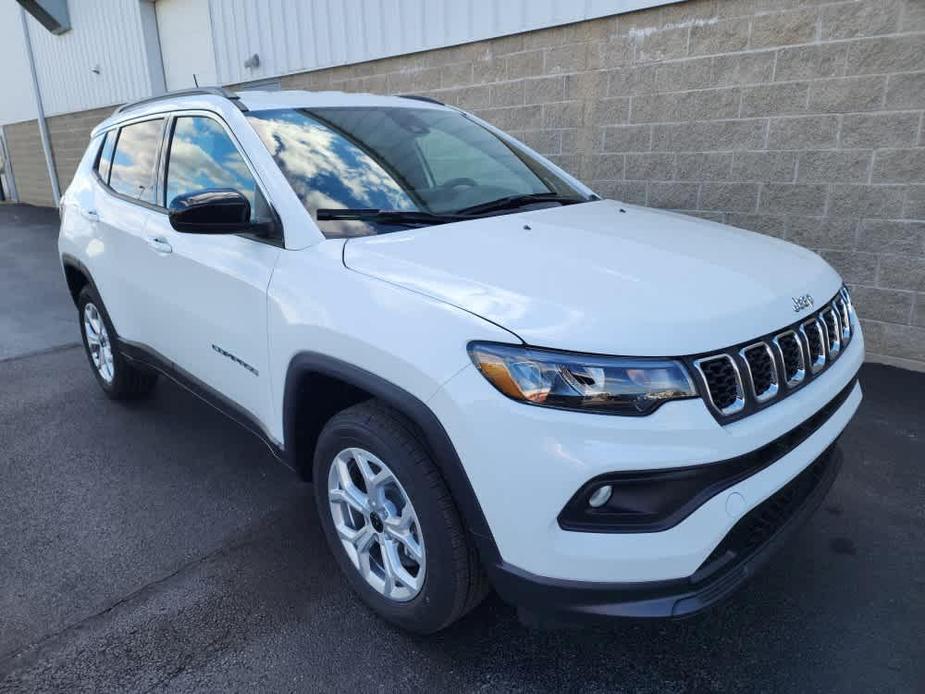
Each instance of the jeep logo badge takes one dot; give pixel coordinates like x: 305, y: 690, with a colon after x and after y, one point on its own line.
x: 802, y: 302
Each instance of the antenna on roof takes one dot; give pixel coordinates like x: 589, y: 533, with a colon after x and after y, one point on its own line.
x: 195, y: 81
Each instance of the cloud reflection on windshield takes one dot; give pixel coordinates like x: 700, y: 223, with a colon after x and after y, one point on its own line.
x: 326, y: 170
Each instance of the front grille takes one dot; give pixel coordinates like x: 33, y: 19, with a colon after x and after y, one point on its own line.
x: 743, y: 379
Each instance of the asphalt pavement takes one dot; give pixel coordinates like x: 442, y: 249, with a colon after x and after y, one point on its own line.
x: 158, y: 546
x: 34, y: 313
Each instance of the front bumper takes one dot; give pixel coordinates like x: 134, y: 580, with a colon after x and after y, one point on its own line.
x: 525, y: 463
x: 744, y: 550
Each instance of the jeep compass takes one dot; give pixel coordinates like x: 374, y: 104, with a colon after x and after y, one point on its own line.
x: 493, y: 377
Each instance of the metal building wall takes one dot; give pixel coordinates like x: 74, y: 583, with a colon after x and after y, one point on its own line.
x: 17, y: 103
x: 104, y: 33
x: 299, y: 35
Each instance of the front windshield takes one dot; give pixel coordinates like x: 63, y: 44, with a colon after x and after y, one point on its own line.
x: 408, y: 159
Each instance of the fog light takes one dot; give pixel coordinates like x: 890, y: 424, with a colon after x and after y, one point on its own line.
x: 600, y: 496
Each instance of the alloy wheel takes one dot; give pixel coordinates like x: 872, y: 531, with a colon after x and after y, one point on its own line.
x: 377, y: 524
x: 98, y: 343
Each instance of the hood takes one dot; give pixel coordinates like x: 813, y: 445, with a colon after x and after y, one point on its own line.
x: 604, y: 277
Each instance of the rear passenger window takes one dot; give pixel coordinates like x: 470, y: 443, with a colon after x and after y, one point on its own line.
x: 134, y: 166
x: 203, y: 157
x: 105, y: 160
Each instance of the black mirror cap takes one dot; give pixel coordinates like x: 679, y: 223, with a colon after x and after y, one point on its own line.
x: 214, y: 211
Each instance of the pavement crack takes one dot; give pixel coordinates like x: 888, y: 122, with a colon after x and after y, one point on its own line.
x: 7, y: 659
x: 41, y: 352
x: 186, y: 662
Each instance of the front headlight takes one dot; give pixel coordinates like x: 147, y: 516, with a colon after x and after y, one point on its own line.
x: 590, y: 383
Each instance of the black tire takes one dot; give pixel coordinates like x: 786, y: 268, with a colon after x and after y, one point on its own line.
x: 129, y: 381
x: 454, y: 581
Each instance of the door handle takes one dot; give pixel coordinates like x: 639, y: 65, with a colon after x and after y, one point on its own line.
x: 90, y: 215
x: 160, y: 245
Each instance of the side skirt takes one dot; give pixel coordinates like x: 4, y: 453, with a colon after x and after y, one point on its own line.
x: 146, y: 356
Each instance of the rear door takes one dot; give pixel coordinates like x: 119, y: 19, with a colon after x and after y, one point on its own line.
x: 214, y: 293
x: 121, y: 259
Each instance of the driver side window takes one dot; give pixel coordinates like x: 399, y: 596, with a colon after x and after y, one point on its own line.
x: 202, y: 157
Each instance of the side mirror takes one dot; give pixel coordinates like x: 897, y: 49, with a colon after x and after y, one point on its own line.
x: 215, y: 211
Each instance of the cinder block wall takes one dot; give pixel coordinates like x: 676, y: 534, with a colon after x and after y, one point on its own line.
x: 796, y: 118
x: 69, y: 135
x: 28, y: 162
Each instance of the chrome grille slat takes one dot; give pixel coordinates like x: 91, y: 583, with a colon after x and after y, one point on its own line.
x: 814, y: 338
x: 832, y: 325
x: 742, y: 379
x: 845, y: 319
x: 847, y: 312
x: 792, y: 357
x: 761, y: 369
x: 724, y: 383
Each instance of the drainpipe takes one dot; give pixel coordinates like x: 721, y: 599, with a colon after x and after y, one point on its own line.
x: 40, y: 110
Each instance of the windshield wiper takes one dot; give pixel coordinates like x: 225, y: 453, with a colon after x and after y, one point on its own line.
x: 387, y: 216
x: 512, y: 202
x: 372, y: 214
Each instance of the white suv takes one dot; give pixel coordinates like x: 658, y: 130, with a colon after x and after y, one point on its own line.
x: 492, y: 376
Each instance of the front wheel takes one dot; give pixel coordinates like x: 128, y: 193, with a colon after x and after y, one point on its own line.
x: 391, y: 522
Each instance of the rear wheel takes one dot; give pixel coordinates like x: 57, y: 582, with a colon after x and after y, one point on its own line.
x: 119, y: 378
x: 391, y: 523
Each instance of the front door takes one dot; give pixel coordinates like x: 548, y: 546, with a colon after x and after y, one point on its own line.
x: 214, y: 286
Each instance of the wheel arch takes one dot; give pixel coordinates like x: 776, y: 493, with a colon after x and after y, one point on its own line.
x: 342, y: 384
x: 76, y: 275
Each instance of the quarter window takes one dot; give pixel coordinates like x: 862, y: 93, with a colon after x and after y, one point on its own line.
x: 105, y: 161
x: 134, y: 164
x: 203, y: 157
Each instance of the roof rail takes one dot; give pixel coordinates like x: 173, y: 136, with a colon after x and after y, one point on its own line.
x: 419, y: 97
x: 214, y: 91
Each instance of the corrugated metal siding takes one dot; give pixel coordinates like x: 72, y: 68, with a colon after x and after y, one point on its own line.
x: 298, y: 35
x: 17, y: 103
x: 107, y: 33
